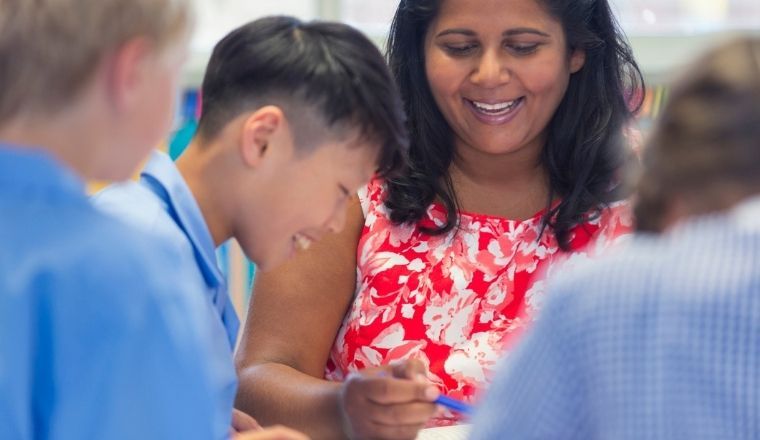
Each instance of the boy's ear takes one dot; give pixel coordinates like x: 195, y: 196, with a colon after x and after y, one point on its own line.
x: 259, y: 129
x: 125, y: 70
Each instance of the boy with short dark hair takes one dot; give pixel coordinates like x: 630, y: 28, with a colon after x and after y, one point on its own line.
x: 296, y: 117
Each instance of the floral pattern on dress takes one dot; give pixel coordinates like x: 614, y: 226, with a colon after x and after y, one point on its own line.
x: 454, y: 301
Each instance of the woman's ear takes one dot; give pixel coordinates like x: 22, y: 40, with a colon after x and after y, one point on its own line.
x: 258, y: 132
x: 577, y: 60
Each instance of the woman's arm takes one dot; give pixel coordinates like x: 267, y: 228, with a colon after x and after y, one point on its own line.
x: 293, y: 319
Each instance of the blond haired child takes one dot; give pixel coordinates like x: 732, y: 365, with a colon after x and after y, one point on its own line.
x: 95, y: 340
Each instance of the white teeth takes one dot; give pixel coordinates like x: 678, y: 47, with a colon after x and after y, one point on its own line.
x: 302, y: 242
x: 495, y: 108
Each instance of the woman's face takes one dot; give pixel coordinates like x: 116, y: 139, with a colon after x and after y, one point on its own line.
x: 498, y: 70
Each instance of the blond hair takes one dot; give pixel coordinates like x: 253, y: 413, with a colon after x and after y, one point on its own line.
x: 705, y: 150
x: 49, y: 49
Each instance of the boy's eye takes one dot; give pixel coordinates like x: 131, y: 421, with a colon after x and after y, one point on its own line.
x: 344, y: 191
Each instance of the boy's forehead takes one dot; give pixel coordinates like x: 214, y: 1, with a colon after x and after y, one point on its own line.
x: 367, y: 152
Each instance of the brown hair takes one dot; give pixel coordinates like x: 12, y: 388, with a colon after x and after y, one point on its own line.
x: 705, y: 150
x: 50, y: 48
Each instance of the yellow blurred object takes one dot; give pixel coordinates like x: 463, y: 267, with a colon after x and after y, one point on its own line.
x: 707, y: 11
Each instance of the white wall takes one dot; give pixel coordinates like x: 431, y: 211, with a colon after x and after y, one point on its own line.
x: 215, y: 18
x: 663, y: 33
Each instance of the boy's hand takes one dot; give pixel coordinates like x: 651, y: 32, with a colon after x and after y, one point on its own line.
x: 391, y: 402
x: 271, y: 433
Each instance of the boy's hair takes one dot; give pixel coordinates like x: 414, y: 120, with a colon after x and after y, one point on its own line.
x: 50, y: 48
x: 705, y: 149
x: 320, y: 74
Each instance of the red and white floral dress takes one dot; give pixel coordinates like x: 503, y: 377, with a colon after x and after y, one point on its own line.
x: 452, y: 301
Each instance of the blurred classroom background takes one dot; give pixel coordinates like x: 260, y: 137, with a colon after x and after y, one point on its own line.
x: 664, y: 34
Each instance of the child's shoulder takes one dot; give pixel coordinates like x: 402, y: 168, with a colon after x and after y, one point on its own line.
x: 90, y: 248
x: 132, y: 203
x: 125, y: 251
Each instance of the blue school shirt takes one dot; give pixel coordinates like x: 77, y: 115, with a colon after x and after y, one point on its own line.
x: 96, y: 341
x: 161, y: 204
x: 661, y: 341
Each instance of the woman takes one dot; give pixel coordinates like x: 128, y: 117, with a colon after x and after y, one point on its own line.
x: 516, y: 110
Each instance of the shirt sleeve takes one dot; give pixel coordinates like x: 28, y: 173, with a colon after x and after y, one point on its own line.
x: 538, y: 393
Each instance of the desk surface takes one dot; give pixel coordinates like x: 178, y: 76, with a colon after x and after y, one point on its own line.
x: 456, y: 432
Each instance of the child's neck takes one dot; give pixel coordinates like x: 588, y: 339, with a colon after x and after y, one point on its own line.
x: 198, y: 165
x: 66, y: 137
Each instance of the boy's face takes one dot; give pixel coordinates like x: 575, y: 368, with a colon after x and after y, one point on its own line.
x: 305, y: 197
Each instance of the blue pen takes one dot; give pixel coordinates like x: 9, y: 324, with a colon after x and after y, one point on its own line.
x: 454, y: 404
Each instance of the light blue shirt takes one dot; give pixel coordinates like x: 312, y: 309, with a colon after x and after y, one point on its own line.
x: 96, y: 341
x: 661, y: 341
x: 161, y: 204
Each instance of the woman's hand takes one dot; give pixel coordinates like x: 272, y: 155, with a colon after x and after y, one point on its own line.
x: 242, y: 422
x: 392, y: 402
x: 271, y: 433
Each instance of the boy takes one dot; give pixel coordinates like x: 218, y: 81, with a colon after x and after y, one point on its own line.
x: 296, y: 117
x: 94, y: 341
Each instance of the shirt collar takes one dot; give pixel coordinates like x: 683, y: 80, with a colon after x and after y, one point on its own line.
x: 163, y: 178
x: 36, y: 167
x: 747, y: 213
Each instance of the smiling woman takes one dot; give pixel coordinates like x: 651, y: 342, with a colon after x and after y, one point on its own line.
x: 562, y: 68
x: 516, y: 110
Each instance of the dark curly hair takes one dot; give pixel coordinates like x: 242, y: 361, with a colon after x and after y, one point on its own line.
x: 583, y: 153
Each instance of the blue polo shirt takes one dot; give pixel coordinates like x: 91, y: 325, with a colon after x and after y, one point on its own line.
x: 96, y: 339
x: 162, y: 205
